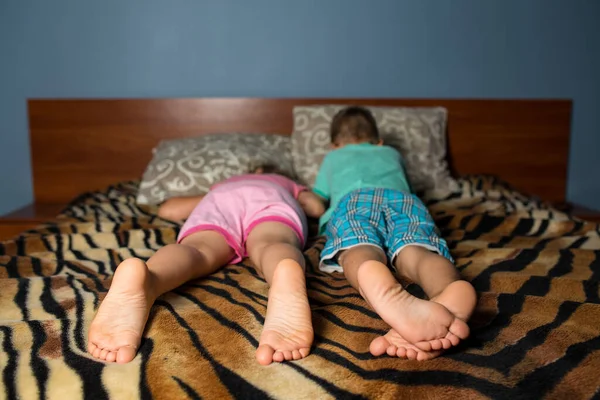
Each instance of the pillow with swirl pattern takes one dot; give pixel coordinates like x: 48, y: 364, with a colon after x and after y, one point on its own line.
x: 419, y: 134
x: 190, y: 166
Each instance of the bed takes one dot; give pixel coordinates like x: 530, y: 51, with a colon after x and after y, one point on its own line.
x: 535, y: 332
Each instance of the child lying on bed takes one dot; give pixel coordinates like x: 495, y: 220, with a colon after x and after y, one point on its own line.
x: 373, y: 218
x: 256, y: 215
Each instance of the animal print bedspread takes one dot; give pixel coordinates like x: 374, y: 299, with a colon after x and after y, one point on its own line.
x: 535, y: 333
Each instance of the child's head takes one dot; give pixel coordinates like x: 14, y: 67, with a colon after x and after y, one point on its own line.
x: 267, y: 169
x: 354, y: 125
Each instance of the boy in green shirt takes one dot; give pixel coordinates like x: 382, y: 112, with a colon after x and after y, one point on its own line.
x: 373, y: 219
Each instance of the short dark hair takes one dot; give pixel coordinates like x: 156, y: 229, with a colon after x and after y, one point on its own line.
x: 268, y: 169
x: 354, y: 124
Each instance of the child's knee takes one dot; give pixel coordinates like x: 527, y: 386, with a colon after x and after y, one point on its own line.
x: 274, y: 248
x: 413, y: 252
x: 413, y: 256
x: 284, y: 245
x: 272, y: 233
x: 360, y: 254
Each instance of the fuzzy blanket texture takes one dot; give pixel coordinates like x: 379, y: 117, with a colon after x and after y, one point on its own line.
x: 535, y: 332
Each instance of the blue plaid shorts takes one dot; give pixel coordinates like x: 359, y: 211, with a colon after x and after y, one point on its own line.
x: 386, y: 218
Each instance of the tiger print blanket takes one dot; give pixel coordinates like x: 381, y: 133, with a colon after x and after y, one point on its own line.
x: 535, y: 332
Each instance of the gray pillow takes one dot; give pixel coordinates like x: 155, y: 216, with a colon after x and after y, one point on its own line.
x: 190, y: 166
x: 419, y: 134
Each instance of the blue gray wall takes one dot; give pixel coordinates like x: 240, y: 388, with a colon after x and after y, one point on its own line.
x: 284, y: 48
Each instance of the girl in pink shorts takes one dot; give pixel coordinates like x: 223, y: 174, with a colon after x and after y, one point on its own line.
x: 260, y: 216
x: 236, y: 206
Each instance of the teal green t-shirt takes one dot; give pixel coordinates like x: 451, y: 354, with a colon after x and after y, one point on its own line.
x: 358, y: 166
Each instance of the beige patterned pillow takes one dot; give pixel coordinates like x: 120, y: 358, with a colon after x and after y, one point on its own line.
x: 419, y: 134
x: 187, y: 167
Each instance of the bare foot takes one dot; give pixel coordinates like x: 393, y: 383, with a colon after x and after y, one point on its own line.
x: 394, y: 345
x: 117, y: 328
x: 421, y: 322
x: 460, y: 299
x: 288, y: 332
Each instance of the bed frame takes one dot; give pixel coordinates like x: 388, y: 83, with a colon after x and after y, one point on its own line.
x: 82, y: 145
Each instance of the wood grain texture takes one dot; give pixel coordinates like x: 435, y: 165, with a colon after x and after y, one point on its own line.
x: 27, y: 217
x: 35, y: 212
x: 81, y: 145
x: 10, y: 230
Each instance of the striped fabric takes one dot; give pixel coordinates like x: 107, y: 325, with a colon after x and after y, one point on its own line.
x: 535, y: 333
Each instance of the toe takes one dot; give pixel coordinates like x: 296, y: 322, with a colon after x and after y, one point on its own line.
x: 446, y: 343
x: 125, y: 354
x: 304, y: 351
x: 296, y: 355
x: 412, y: 354
x: 459, y: 328
x: 97, y: 352
x: 111, y: 357
x: 278, y: 356
x: 265, y: 354
x: 379, y: 346
x: 287, y: 354
x: 401, y: 353
x: 453, y: 339
x: 103, y: 354
x: 436, y: 344
x: 391, y: 350
x: 425, y: 346
x: 423, y: 356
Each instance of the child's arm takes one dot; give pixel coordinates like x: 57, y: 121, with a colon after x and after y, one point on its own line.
x: 311, y: 204
x: 178, y: 208
x: 321, y: 187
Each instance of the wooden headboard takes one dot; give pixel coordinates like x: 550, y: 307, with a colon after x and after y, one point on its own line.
x: 82, y: 145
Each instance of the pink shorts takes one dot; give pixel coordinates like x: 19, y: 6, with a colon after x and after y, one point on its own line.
x: 234, y: 209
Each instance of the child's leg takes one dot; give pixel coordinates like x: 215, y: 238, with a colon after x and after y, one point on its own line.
x: 287, y: 333
x: 421, y: 322
x: 360, y: 227
x: 117, y: 328
x: 438, y: 278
